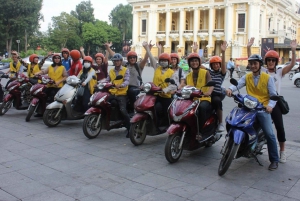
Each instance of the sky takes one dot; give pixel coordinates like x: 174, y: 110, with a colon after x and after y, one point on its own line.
x: 52, y: 8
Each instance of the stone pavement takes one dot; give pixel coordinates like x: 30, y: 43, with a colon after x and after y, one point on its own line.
x: 61, y: 164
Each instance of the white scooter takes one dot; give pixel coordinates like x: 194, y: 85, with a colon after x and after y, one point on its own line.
x: 62, y: 107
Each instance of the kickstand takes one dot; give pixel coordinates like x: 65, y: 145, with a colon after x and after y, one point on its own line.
x: 255, y: 157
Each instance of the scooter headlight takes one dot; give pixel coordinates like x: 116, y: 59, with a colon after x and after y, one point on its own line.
x: 147, y: 87
x: 186, y: 93
x: 101, y: 85
x: 249, y: 103
x: 92, y: 97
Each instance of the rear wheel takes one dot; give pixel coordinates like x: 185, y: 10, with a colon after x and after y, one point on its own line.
x: 136, y: 134
x: 4, y: 107
x: 227, y: 158
x: 49, y: 117
x: 30, y: 112
x: 89, y: 127
x: 172, y: 151
x: 297, y: 83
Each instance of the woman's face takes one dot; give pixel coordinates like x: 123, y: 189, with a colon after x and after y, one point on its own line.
x: 194, y: 63
x: 216, y: 66
x: 271, y: 63
x: 36, y: 60
x: 99, y: 60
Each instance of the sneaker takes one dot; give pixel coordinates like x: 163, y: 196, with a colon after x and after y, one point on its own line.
x: 273, y: 166
x: 221, y: 128
x: 282, y: 157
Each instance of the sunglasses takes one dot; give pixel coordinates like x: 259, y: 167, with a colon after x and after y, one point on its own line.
x: 131, y: 57
x: 56, y: 58
x: 273, y: 60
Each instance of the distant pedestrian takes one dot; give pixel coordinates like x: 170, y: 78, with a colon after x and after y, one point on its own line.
x: 230, y: 66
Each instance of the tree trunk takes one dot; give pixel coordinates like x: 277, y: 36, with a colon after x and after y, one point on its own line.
x: 89, y: 50
x: 9, y: 44
x: 25, y: 41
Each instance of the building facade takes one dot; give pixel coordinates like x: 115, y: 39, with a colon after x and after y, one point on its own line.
x: 176, y: 24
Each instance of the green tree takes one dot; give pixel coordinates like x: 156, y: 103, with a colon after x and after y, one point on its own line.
x: 121, y: 17
x: 16, y: 17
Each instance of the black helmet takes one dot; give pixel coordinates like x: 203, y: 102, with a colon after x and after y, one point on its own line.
x: 117, y: 57
x: 256, y: 57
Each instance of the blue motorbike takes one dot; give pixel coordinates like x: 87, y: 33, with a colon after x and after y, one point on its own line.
x: 245, y: 137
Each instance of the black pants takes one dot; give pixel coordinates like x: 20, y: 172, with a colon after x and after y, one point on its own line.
x: 231, y: 71
x: 1, y: 94
x: 86, y: 99
x: 204, y: 112
x: 132, y: 93
x: 162, y: 104
x: 278, y: 122
x: 122, y: 102
x: 216, y: 101
x: 51, y: 91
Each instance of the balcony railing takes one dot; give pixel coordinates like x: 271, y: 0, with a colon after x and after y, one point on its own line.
x: 161, y: 32
x: 188, y: 31
x: 143, y: 33
x: 273, y: 32
x: 241, y: 29
x: 203, y: 31
x: 174, y: 32
x: 218, y: 30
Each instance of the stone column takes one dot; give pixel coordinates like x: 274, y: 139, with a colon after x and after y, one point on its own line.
x: 196, y: 23
x: 253, y: 21
x: 228, y: 29
x: 211, y: 26
x: 168, y: 28
x: 150, y: 25
x: 181, y: 27
x: 135, y: 30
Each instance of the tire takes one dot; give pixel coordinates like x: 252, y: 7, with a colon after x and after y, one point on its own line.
x: 49, y: 120
x: 297, y: 82
x: 172, y: 152
x: 88, y: 126
x: 4, y: 107
x: 291, y: 76
x: 227, y: 158
x: 137, y: 137
x: 30, y: 112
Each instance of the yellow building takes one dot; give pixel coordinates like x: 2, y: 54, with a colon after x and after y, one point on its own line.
x: 176, y: 24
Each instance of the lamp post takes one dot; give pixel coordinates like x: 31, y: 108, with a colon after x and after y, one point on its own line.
x: 18, y: 41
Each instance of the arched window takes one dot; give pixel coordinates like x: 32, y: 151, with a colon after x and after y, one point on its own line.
x: 186, y: 25
x: 173, y: 25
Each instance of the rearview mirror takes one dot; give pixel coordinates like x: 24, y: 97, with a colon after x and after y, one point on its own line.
x: 210, y: 84
x: 172, y: 81
x: 119, y: 77
x: 167, y: 80
x: 234, y: 81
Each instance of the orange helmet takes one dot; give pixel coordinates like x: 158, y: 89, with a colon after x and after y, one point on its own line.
x: 75, y: 54
x: 99, y: 55
x: 272, y: 54
x: 55, y: 55
x: 31, y: 58
x: 164, y: 56
x: 88, y: 58
x: 65, y: 50
x: 192, y: 56
x: 215, y: 59
x: 131, y: 54
x: 174, y: 55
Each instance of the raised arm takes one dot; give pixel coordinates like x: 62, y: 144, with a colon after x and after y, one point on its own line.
x: 107, y: 47
x: 195, y: 47
x: 148, y: 47
x: 289, y: 67
x: 82, y: 52
x: 159, y: 47
x: 106, y: 57
x: 44, y: 59
x: 223, y: 48
x: 250, y: 43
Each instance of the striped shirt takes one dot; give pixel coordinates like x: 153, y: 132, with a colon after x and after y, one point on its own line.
x: 218, y: 78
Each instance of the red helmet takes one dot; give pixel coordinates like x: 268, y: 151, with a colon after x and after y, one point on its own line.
x: 88, y: 58
x: 215, y: 59
x: 192, y: 56
x: 31, y: 58
x: 75, y: 54
x: 165, y: 56
x: 99, y: 55
x: 131, y: 54
x: 174, y: 55
x: 65, y: 50
x: 272, y: 54
x: 55, y: 55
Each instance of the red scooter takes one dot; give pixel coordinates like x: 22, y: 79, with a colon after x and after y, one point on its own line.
x: 39, y: 100
x: 102, y: 113
x: 144, y: 121
x: 18, y: 94
x: 184, y: 131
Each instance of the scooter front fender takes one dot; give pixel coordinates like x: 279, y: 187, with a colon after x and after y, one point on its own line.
x: 7, y: 97
x: 138, y: 117
x: 175, y: 128
x: 35, y: 101
x: 238, y: 136
x: 55, y: 105
x: 93, y: 110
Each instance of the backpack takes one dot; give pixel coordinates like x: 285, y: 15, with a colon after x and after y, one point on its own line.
x: 180, y: 74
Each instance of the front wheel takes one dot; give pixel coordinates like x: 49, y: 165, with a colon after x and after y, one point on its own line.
x: 90, y: 128
x: 228, y: 156
x: 136, y: 134
x: 172, y: 151
x: 30, y: 112
x: 297, y: 83
x: 5, y: 107
x: 49, y: 117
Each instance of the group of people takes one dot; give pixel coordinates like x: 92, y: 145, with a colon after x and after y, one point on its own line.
x: 262, y: 83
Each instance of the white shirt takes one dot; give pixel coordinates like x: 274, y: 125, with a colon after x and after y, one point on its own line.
x: 276, y: 76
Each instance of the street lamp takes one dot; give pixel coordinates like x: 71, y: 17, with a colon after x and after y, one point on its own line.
x: 18, y: 41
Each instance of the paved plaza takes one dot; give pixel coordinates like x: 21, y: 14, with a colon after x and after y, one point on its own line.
x: 41, y: 163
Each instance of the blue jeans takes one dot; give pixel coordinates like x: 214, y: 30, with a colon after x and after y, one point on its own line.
x: 265, y: 122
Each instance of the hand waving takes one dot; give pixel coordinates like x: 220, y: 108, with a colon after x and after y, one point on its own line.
x: 250, y: 42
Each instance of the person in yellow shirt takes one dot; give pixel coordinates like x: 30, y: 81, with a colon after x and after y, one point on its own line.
x: 57, y: 73
x: 261, y: 86
x: 15, y: 67
x: 198, y: 78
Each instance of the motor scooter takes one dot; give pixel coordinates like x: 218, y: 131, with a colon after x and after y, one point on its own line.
x: 104, y: 112
x: 245, y: 137
x: 144, y: 122
x: 63, y: 108
x: 39, y: 100
x: 17, y: 95
x: 2, y: 89
x: 184, y: 130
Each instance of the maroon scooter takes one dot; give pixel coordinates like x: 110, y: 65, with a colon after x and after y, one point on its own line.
x: 39, y: 100
x: 104, y: 112
x: 184, y: 131
x: 18, y: 94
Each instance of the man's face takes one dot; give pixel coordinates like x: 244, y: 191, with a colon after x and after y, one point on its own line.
x: 36, y: 60
x: 194, y: 63
x: 271, y: 62
x: 216, y: 66
x: 132, y: 60
x: 117, y: 63
x: 254, y: 66
x: 65, y: 55
x: 15, y: 58
x: 99, y: 60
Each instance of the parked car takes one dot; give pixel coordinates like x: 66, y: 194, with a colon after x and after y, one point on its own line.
x: 287, y: 63
x: 296, y: 80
